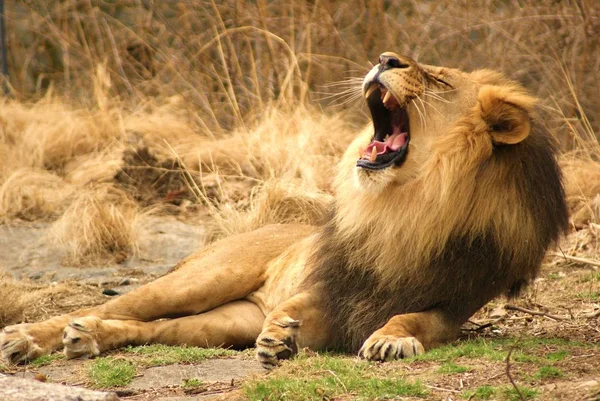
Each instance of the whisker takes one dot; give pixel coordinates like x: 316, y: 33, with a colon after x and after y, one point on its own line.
x: 343, y: 97
x: 343, y: 102
x: 343, y: 92
x: 446, y: 91
x: 429, y: 104
x: 437, y: 97
x: 421, y: 116
x: 350, y: 81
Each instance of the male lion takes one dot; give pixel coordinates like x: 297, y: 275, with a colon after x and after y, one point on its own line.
x: 448, y: 200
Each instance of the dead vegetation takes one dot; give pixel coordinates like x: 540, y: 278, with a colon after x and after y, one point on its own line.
x: 207, y: 110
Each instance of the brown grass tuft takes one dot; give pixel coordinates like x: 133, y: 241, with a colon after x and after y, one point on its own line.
x: 27, y: 301
x: 50, y: 133
x: 99, y: 224
x: 289, y: 158
x: 275, y: 201
x: 582, y: 184
x: 13, y: 302
x: 31, y: 194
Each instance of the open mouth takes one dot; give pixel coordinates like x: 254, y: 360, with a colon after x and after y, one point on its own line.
x: 392, y: 135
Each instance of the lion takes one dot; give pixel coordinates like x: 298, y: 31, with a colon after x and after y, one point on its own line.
x: 448, y: 199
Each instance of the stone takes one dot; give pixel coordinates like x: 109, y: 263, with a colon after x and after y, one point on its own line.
x: 18, y: 389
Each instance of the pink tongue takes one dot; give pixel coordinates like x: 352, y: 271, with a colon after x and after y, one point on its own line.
x: 396, y: 141
x: 393, y: 143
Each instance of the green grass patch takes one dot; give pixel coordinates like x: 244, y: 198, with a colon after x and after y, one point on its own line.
x: 452, y: 368
x: 481, y: 393
x: 548, y: 372
x: 557, y: 356
x: 554, y: 276
x: 46, y: 360
x: 110, y: 372
x: 494, y: 350
x: 590, y: 277
x: 589, y: 296
x: 520, y: 356
x: 158, y: 354
x: 326, y: 376
x: 328, y: 387
x: 191, y: 383
x: 507, y: 393
x: 528, y: 393
x: 479, y: 348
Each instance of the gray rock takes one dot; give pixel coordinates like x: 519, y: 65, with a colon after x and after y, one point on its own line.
x: 215, y: 370
x: 17, y: 389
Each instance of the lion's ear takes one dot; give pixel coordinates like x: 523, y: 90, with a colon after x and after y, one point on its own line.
x: 506, y: 113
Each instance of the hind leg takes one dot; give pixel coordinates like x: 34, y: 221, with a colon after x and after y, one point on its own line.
x: 177, y: 294
x: 236, y: 324
x: 227, y: 270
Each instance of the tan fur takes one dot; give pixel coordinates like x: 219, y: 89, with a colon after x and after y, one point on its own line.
x: 434, y: 213
x: 460, y: 185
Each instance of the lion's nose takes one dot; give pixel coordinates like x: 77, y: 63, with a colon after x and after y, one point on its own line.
x: 390, y: 61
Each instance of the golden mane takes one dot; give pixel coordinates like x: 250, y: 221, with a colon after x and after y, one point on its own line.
x: 469, y: 193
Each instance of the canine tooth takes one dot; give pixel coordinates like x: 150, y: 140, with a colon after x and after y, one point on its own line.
x: 387, y: 96
x: 373, y: 154
x: 370, y: 91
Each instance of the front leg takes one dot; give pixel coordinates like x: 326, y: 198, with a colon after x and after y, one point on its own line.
x: 293, y: 325
x: 404, y: 336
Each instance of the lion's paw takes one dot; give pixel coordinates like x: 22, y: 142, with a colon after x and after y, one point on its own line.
x: 17, y: 346
x: 80, y: 337
x: 386, y: 348
x: 277, y: 342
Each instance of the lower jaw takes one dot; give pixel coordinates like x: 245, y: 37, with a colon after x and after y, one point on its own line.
x: 396, y: 161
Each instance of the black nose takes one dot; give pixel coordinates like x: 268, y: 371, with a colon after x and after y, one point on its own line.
x: 387, y: 62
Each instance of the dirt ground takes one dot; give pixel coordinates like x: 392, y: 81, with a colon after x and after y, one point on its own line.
x: 558, y: 315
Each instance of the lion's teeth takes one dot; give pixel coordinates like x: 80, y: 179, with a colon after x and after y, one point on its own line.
x: 373, y: 154
x: 387, y: 96
x: 370, y: 91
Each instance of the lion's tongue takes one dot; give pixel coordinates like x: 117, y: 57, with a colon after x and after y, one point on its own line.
x: 393, y: 143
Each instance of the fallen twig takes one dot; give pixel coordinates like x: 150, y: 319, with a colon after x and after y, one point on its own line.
x: 591, y: 262
x: 534, y: 312
x: 591, y: 315
x: 508, y: 371
x: 481, y: 326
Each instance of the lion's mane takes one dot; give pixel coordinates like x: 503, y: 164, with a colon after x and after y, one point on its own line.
x: 471, y: 226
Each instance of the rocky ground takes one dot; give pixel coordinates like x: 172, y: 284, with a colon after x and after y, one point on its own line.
x: 546, y: 344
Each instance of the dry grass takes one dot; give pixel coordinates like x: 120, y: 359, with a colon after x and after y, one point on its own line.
x: 12, y: 311
x: 31, y: 194
x: 582, y: 183
x: 231, y: 59
x: 25, y: 301
x: 212, y: 110
x: 99, y: 223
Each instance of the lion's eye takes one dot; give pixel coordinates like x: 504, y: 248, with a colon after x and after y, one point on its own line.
x: 441, y: 81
